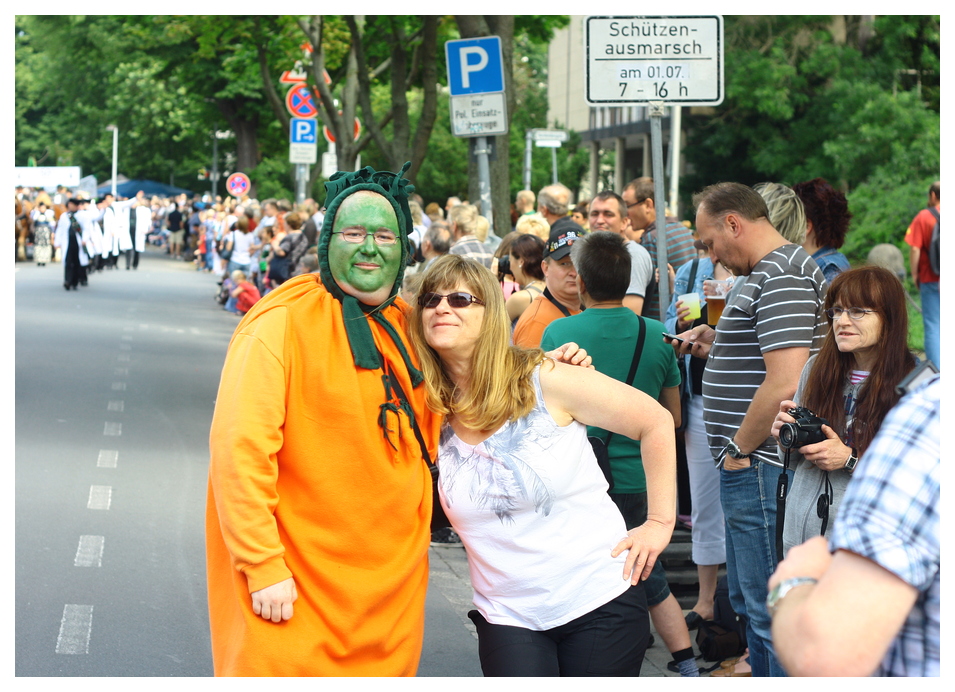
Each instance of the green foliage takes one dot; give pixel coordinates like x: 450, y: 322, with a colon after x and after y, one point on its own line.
x: 830, y: 97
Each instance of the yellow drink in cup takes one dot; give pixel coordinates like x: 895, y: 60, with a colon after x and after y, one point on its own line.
x: 692, y: 301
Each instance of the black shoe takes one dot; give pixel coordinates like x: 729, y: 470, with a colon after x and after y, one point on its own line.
x: 650, y: 641
x: 66, y: 286
x: 446, y: 538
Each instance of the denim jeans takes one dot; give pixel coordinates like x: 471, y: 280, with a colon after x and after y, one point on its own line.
x: 931, y: 309
x: 748, y: 497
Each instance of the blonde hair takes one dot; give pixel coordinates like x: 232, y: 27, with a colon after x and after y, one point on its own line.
x: 535, y: 224
x: 465, y: 216
x: 500, y: 386
x: 481, y: 228
x: 786, y: 211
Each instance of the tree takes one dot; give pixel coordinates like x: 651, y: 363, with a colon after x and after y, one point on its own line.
x: 848, y: 99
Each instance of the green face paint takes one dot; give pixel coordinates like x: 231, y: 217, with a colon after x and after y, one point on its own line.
x: 365, y: 270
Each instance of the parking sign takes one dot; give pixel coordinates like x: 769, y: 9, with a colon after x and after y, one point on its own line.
x: 475, y: 66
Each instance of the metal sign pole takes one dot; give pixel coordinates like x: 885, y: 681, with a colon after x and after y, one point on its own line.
x: 656, y: 109
x: 528, y: 148
x: 553, y: 160
x: 484, y: 179
x: 301, y: 170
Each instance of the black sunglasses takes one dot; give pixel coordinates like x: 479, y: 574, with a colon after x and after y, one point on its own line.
x: 455, y: 300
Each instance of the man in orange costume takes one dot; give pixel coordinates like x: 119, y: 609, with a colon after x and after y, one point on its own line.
x: 319, y: 507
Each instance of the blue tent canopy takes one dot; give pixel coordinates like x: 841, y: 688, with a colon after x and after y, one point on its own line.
x: 149, y: 188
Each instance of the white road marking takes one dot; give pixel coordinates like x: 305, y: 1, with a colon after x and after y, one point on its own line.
x: 113, y: 429
x: 123, y: 358
x: 115, y: 406
x: 100, y: 497
x: 107, y: 458
x: 75, y: 629
x: 89, y: 553
x: 120, y: 372
x: 119, y: 386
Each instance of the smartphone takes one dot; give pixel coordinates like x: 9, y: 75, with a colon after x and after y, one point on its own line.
x: 672, y: 337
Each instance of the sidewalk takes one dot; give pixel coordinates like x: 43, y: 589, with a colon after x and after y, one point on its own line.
x: 449, y: 600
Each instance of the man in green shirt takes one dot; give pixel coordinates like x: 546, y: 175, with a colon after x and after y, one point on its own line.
x: 611, y: 335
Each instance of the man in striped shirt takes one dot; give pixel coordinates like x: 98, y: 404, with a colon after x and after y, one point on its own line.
x: 638, y: 196
x: 767, y: 332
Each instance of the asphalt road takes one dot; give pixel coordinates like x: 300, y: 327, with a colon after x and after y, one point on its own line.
x: 115, y: 389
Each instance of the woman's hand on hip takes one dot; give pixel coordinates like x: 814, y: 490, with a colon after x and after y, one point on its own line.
x: 645, y: 543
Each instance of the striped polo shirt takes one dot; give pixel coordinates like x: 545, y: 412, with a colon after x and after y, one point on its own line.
x: 780, y: 305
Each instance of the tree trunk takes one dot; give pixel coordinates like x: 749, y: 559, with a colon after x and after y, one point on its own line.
x: 246, y: 140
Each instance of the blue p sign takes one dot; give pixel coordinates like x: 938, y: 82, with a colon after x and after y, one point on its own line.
x: 475, y: 66
x: 303, y: 131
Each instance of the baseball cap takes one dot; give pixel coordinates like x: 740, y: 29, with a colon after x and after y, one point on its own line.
x: 558, y: 246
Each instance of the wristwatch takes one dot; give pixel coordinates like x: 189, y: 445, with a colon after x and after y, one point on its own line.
x: 781, y: 589
x: 851, y: 461
x: 734, y: 451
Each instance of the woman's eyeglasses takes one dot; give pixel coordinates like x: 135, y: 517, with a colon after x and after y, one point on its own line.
x: 354, y: 235
x: 854, y: 313
x: 455, y: 300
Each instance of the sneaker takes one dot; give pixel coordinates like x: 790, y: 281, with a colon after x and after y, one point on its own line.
x: 445, y: 538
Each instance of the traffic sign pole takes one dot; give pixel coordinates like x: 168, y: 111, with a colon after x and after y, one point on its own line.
x: 659, y: 204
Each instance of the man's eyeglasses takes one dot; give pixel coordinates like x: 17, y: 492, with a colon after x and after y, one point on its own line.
x: 633, y: 204
x: 854, y: 313
x: 455, y: 300
x: 355, y: 235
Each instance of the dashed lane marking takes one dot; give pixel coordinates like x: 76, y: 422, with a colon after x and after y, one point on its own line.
x: 89, y: 552
x: 115, y: 406
x: 75, y: 629
x: 107, y: 458
x: 112, y: 429
x: 100, y: 497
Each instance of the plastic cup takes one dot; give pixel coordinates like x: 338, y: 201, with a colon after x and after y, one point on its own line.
x: 692, y: 301
x: 715, y: 291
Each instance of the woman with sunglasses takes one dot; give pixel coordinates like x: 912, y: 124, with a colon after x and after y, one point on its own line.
x: 851, y: 384
x: 556, y: 575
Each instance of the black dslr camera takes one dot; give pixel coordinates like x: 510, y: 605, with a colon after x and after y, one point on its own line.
x: 806, y: 430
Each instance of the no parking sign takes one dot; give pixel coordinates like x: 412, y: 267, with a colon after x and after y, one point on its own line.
x: 238, y: 184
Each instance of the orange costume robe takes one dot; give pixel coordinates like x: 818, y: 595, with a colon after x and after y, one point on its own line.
x: 303, y: 483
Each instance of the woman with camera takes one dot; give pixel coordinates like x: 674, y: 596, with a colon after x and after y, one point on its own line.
x: 848, y: 387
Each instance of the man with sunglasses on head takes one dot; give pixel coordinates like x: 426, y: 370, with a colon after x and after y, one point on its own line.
x: 319, y: 504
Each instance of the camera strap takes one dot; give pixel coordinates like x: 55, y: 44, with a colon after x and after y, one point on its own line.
x: 782, y: 490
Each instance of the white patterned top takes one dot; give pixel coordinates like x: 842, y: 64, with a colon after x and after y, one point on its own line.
x: 531, y: 506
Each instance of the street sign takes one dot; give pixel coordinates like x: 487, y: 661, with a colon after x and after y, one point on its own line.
x: 299, y: 101
x: 673, y: 59
x: 293, y: 76
x: 303, y: 131
x: 303, y: 140
x: 474, y: 65
x: 330, y: 138
x: 549, y: 138
x: 478, y: 116
x: 238, y: 184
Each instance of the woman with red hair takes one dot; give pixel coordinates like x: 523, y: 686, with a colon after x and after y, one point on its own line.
x: 864, y: 356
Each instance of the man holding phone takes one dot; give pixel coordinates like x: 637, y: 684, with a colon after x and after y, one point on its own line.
x: 754, y: 357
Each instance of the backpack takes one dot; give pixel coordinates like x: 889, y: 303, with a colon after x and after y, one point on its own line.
x: 934, y: 247
x: 725, y: 635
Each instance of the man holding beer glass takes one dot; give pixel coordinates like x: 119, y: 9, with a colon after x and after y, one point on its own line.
x: 762, y: 339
